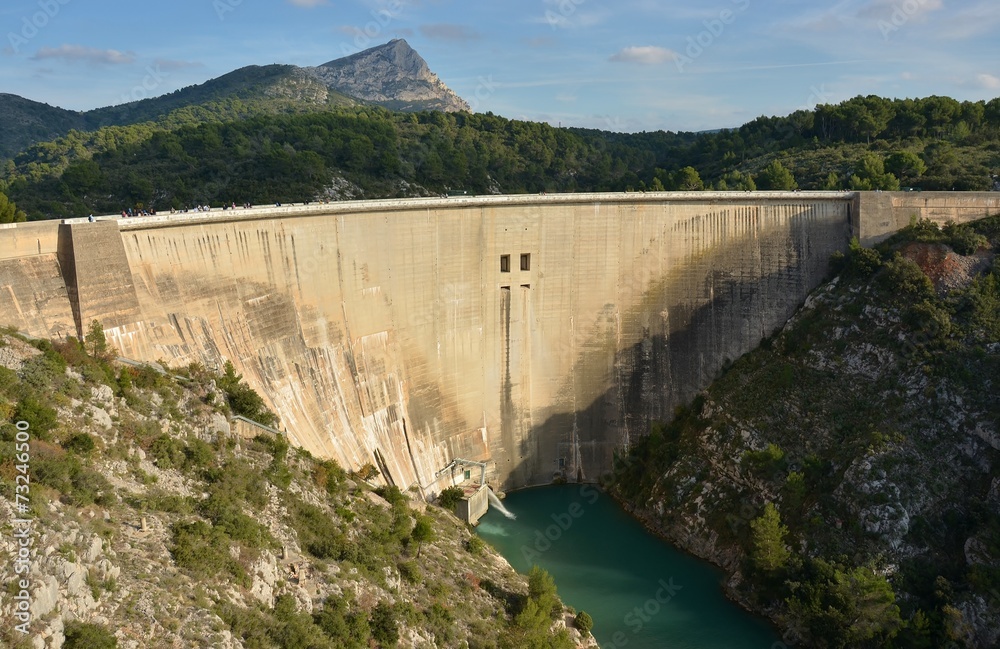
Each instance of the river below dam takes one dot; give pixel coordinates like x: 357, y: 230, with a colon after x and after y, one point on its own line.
x: 641, y: 592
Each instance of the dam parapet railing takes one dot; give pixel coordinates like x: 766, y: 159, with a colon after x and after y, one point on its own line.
x: 873, y: 215
x: 217, y: 215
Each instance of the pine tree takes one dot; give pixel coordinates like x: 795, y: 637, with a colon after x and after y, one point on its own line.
x: 775, y: 176
x: 422, y: 532
x: 768, y: 537
x: 9, y: 212
x: 97, y: 343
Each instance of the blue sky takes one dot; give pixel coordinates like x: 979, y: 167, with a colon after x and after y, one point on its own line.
x: 628, y: 65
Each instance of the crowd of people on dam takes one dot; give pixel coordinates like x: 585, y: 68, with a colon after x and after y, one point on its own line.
x: 139, y: 211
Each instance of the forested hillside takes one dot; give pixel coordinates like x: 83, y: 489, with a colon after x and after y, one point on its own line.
x: 256, y: 156
x: 845, y: 472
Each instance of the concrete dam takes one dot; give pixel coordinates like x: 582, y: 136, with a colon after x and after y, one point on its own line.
x: 535, y: 334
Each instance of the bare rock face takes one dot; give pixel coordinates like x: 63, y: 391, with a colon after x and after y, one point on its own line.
x: 393, y: 75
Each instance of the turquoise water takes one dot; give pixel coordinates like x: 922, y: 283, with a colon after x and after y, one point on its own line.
x: 641, y: 592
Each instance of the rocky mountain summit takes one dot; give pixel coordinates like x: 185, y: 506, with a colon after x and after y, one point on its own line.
x: 393, y: 75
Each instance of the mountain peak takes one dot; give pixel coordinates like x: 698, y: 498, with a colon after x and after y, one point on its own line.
x: 392, y: 74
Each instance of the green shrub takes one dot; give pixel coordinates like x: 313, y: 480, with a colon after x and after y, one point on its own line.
x: 81, y: 443
x: 167, y: 452
x: 963, y: 239
x: 922, y: 230
x: 840, y: 606
x: 198, y: 453
x: 440, y: 621
x: 542, y: 592
x: 930, y: 319
x: 72, y: 351
x: 329, y: 476
x: 349, y: 629
x: 277, y: 446
x: 384, y: 626
x: 227, y: 515
x: 410, y: 571
x: 367, y: 472
x: 124, y: 382
x: 449, y: 497
x: 318, y: 533
x: 203, y: 550
x: 77, y: 484
x: 294, y: 629
x: 392, y: 494
x: 170, y: 503
x: 243, y: 399
x: 861, y: 261
x: 237, y: 481
x: 40, y: 417
x: 139, y: 433
x: 45, y: 372
x: 80, y: 635
x: 475, y: 545
x: 903, y: 277
x: 768, y: 551
x: 8, y: 381
x: 795, y: 490
x: 584, y: 622
x: 766, y: 462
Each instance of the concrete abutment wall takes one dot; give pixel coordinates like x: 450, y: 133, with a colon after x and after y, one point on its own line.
x: 390, y: 332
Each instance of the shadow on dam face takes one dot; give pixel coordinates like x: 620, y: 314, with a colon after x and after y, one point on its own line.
x: 677, y: 353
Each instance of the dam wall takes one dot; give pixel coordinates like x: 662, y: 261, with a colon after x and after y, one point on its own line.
x: 888, y: 212
x: 535, y: 333
x: 33, y: 294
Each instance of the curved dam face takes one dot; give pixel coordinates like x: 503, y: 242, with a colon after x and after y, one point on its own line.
x: 534, y: 333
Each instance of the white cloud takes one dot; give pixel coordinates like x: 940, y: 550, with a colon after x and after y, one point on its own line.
x: 307, y: 3
x: 645, y: 54
x: 988, y: 81
x: 79, y: 53
x: 563, y: 14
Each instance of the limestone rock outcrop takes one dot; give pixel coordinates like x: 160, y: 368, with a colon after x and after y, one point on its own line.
x: 392, y: 74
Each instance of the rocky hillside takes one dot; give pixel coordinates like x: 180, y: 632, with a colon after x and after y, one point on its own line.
x: 157, y: 522
x: 845, y: 473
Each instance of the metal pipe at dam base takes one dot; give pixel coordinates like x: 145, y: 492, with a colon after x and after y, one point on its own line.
x: 536, y: 334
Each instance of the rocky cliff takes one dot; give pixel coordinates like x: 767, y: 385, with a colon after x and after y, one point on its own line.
x: 393, y: 75
x: 869, y: 423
